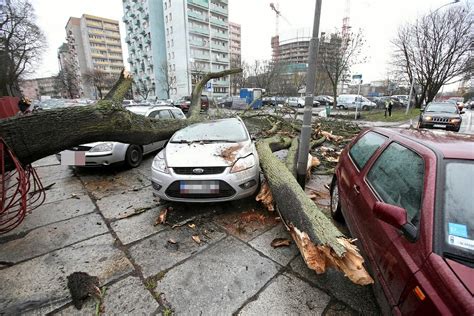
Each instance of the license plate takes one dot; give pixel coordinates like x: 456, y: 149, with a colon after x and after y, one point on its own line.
x: 73, y: 158
x: 199, y: 187
x: 439, y: 125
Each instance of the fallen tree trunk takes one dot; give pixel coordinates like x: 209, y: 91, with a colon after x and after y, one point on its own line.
x: 319, y: 241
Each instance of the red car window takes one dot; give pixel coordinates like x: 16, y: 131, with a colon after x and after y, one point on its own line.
x: 365, y: 147
x: 397, y: 177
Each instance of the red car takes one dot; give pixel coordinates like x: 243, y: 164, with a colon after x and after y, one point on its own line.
x: 408, y: 197
x: 185, y: 103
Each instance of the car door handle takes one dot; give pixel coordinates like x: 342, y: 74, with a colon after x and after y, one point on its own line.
x: 356, y: 189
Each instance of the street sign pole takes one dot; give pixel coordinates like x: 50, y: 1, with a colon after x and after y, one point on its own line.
x: 358, y: 98
x: 305, y: 136
x: 410, y: 95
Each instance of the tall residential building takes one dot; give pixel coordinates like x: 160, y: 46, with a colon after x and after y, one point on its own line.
x: 235, y: 44
x: 36, y: 88
x: 94, y: 45
x: 185, y: 39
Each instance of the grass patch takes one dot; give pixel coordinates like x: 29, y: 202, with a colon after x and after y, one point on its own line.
x: 167, y: 312
x: 398, y: 115
x: 151, y: 283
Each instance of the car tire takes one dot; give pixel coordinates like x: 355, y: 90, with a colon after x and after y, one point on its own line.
x: 336, y: 212
x: 133, y: 156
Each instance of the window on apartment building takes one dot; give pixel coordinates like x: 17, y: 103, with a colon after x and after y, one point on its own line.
x: 168, y: 44
x: 174, y: 67
x: 167, y: 31
x: 172, y: 54
x: 172, y: 42
x: 171, y: 17
x: 169, y: 56
x: 166, y: 5
x: 166, y: 19
x: 171, y: 29
x: 169, y: 3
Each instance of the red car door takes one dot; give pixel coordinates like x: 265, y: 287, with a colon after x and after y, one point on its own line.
x: 351, y: 166
x: 397, y: 177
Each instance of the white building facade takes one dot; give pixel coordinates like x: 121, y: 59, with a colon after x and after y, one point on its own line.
x: 195, y: 41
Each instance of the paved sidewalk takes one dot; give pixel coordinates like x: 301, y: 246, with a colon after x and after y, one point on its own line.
x: 87, y: 225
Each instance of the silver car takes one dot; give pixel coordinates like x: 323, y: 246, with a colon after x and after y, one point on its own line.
x: 207, y: 162
x: 107, y: 153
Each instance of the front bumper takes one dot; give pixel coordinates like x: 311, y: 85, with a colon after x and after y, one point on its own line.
x: 100, y: 158
x: 161, y: 182
x: 444, y: 126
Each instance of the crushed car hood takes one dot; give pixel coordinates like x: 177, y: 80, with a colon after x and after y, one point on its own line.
x: 205, y: 155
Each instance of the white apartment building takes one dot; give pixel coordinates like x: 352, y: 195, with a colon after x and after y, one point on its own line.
x: 196, y: 41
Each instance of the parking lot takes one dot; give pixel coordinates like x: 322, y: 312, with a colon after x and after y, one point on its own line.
x: 103, y: 221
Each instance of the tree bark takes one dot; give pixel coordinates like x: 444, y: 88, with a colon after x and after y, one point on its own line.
x: 195, y: 107
x: 319, y: 241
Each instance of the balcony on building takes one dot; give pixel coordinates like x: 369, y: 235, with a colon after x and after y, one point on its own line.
x: 220, y: 48
x: 217, y: 21
x: 199, y: 30
x: 219, y: 35
x: 197, y: 16
x: 219, y: 9
x: 204, y: 4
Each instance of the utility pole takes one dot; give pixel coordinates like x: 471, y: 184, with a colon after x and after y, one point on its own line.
x: 305, y: 135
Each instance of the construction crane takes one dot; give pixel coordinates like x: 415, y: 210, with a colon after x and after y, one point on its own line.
x: 278, y: 15
x: 346, y: 28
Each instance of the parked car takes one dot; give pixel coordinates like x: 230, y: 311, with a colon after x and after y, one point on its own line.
x: 406, y: 196
x: 126, y: 103
x: 185, y: 102
x: 225, y: 102
x: 107, y: 153
x: 403, y: 98
x: 442, y: 115
x: 324, y: 100
x: 351, y: 101
x: 299, y: 102
x: 207, y: 162
x: 459, y: 101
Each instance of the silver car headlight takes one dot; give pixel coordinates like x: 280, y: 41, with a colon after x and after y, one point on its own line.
x: 102, y: 147
x: 243, y: 164
x: 159, y: 163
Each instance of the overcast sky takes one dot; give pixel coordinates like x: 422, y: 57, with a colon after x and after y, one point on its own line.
x: 379, y: 19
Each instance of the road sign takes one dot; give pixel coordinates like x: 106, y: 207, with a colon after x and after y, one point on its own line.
x: 356, y: 77
x: 209, y: 86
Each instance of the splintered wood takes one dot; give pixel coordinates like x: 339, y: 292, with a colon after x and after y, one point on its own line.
x: 330, y: 137
x: 265, y: 196
x: 320, y: 257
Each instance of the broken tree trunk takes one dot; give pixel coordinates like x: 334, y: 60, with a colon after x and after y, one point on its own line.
x: 195, y: 107
x: 319, y: 241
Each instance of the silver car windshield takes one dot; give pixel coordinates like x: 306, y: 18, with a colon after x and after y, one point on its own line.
x: 227, y: 130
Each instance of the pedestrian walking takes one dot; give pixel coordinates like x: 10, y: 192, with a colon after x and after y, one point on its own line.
x: 390, y: 106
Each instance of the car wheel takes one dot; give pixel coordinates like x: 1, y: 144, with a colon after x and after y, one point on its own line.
x: 365, y: 108
x: 336, y: 213
x: 133, y: 156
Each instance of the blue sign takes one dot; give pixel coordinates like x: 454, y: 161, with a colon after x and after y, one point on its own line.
x: 209, y: 86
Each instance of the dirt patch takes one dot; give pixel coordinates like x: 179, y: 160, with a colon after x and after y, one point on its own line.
x: 229, y: 153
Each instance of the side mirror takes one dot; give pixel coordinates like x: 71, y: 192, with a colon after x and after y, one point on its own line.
x: 396, y: 217
x: 462, y: 112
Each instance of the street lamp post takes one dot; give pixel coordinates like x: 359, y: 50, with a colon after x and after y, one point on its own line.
x: 305, y: 135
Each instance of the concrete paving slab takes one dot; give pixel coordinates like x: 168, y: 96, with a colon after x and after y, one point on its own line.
x: 39, y: 282
x: 125, y: 297
x: 119, y: 205
x: 51, y: 237
x: 156, y: 254
x: 64, y: 189
x: 282, y: 255
x: 358, y: 297
x: 246, y: 224
x: 138, y: 226
x: 48, y: 174
x: 217, y: 281
x: 337, y: 308
x: 46, y: 161
x: 102, y: 182
x: 54, y: 212
x: 145, y: 167
x: 286, y: 295
x: 317, y: 184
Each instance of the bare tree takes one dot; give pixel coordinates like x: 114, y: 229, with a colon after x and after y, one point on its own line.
x: 21, y: 44
x: 337, y: 54
x: 237, y: 80
x: 99, y: 79
x: 143, y: 89
x: 263, y: 74
x: 68, y: 81
x: 169, y: 79
x: 434, y: 50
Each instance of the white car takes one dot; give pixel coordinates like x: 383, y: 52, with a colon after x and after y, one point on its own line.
x: 107, y: 153
x: 295, y: 102
x: 207, y: 162
x: 351, y: 101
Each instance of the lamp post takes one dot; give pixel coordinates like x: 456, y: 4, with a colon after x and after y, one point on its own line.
x: 305, y: 136
x: 409, y: 64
